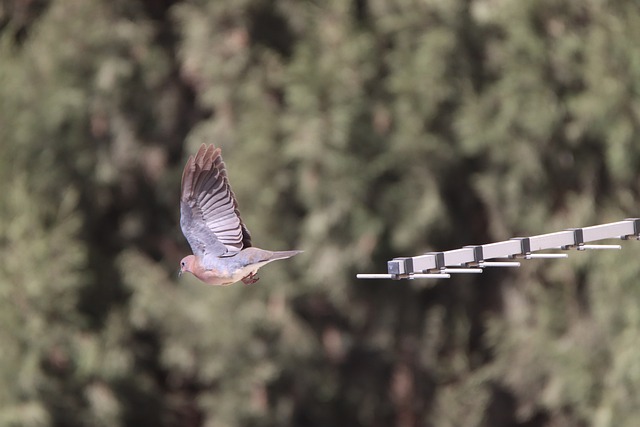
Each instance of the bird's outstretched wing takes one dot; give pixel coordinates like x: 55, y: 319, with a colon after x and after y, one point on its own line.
x: 209, y: 215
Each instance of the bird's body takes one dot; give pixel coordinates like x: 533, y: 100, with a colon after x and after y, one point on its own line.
x: 209, y: 218
x: 227, y: 271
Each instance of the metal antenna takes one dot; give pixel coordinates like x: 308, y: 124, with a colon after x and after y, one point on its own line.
x: 473, y: 259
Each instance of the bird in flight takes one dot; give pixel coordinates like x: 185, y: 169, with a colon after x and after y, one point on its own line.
x: 209, y: 218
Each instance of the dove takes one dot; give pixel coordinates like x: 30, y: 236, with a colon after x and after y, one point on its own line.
x: 211, y: 223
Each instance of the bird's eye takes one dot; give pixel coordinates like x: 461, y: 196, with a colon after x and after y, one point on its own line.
x: 182, y: 263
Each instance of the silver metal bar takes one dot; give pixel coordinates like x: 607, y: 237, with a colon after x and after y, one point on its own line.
x: 551, y: 240
x: 545, y: 256
x: 501, y: 249
x: 458, y: 256
x: 583, y: 247
x: 496, y: 264
x: 406, y: 276
x: 430, y: 276
x: 462, y: 270
x: 607, y: 231
x: 423, y: 262
x: 374, y: 276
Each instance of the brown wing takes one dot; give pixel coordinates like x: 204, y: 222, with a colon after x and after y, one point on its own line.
x: 209, y: 212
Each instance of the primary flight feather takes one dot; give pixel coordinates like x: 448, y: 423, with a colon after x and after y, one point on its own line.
x: 209, y: 218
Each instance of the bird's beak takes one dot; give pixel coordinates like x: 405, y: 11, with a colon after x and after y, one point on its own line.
x: 180, y: 273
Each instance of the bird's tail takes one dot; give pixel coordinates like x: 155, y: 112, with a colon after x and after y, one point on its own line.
x: 284, y: 254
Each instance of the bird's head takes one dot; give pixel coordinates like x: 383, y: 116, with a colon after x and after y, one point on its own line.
x: 186, y: 264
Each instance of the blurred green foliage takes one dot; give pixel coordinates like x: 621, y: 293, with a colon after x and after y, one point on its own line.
x: 356, y: 130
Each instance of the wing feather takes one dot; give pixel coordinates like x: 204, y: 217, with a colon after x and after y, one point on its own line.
x: 210, y: 219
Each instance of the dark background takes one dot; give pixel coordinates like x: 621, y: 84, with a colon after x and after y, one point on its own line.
x: 357, y: 131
